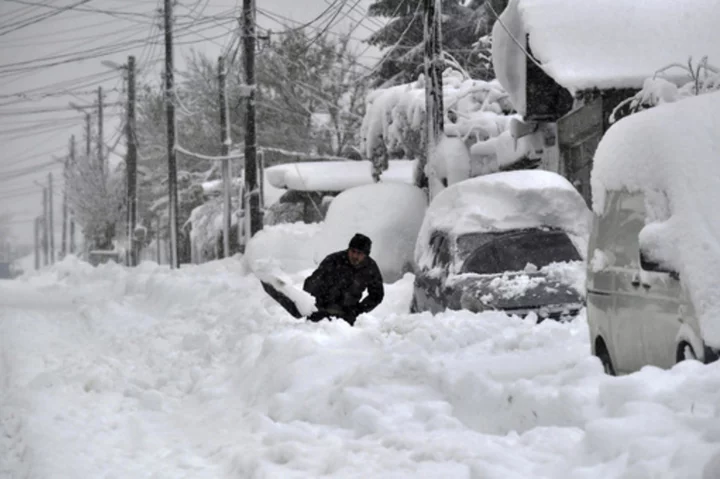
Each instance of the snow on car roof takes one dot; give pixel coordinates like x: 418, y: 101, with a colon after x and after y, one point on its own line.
x: 672, y: 154
x: 504, y: 201
x: 335, y: 175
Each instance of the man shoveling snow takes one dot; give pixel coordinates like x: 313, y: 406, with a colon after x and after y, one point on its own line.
x: 337, y: 285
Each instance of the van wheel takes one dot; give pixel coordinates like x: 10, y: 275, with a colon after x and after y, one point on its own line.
x: 684, y: 351
x: 603, y: 355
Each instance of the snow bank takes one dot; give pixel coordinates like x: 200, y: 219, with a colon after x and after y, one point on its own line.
x: 503, y: 201
x: 195, y: 372
x: 609, y: 44
x: 671, y: 154
x: 334, y: 175
x: 390, y: 215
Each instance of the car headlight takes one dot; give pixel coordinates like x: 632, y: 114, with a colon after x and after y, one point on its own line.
x: 472, y: 301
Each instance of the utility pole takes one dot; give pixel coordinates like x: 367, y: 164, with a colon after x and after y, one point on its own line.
x: 131, y: 161
x: 100, y: 131
x: 88, y: 135
x: 433, y: 90
x: 225, y: 151
x: 252, y: 191
x: 45, y: 242
x: 157, y: 240
x: 37, y: 242
x: 50, y: 220
x: 170, y: 113
x: 71, y: 158
x: 72, y: 216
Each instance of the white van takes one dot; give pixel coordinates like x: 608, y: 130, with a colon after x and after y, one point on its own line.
x: 638, y: 313
x: 654, y: 247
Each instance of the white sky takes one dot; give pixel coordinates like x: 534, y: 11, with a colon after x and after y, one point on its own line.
x: 128, y: 27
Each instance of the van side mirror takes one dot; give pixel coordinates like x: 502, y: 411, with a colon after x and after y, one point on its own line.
x: 648, y: 265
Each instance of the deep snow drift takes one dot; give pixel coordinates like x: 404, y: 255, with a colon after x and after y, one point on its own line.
x: 114, y: 373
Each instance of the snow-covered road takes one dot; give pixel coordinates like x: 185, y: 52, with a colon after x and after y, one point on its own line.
x: 150, y: 373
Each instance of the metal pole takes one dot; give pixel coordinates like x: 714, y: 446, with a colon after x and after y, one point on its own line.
x: 51, y: 221
x: 251, y: 181
x: 131, y: 162
x: 225, y: 151
x: 170, y: 112
x: 433, y: 88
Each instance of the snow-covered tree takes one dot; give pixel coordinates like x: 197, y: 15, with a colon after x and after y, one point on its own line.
x: 97, y: 200
x: 477, y: 114
x: 309, y: 99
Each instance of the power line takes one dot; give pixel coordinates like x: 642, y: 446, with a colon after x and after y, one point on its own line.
x: 18, y: 25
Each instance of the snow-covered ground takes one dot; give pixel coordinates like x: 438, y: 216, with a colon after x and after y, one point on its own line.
x: 196, y: 373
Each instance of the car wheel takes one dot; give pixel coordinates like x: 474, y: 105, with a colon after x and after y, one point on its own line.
x: 685, y: 351
x: 603, y: 355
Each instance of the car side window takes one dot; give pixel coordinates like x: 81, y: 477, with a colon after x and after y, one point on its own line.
x: 620, y: 226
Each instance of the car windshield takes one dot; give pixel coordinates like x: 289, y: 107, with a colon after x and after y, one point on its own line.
x: 512, y: 251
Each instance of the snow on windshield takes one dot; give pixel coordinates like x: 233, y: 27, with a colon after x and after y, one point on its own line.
x: 196, y: 372
x: 671, y: 153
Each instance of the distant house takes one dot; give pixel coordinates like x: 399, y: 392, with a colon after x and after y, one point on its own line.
x: 582, y: 58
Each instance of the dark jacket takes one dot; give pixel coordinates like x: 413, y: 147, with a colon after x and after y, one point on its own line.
x: 338, y: 284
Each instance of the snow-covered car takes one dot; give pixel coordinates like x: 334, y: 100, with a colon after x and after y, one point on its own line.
x: 510, y: 241
x: 390, y: 214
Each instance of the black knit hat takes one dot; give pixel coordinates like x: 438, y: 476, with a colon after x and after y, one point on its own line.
x: 361, y: 242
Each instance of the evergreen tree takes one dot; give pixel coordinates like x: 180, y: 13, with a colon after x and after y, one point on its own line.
x: 464, y: 24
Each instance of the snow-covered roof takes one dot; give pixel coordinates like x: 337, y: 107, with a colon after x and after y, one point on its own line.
x: 504, y: 201
x: 335, y: 175
x: 672, y: 153
x: 584, y: 44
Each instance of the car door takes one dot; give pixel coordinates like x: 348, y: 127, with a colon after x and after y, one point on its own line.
x: 661, y: 302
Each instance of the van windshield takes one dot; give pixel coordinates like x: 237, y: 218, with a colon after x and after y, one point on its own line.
x: 512, y: 251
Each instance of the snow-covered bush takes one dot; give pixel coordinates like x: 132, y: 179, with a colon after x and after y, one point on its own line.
x: 476, y: 111
x: 702, y: 78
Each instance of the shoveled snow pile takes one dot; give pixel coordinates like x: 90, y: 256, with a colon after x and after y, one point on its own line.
x: 115, y: 372
x: 334, y: 175
x: 389, y: 214
x: 505, y: 201
x: 671, y: 153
